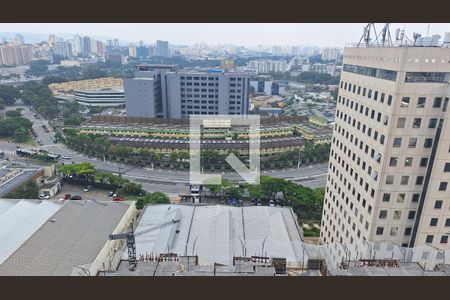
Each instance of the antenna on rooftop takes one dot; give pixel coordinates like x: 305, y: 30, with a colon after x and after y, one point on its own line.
x: 366, y: 35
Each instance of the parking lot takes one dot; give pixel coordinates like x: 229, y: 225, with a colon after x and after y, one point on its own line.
x: 76, y: 190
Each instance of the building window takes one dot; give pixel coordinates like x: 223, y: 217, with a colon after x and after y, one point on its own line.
x: 437, y: 102
x: 443, y: 186
x: 380, y: 230
x: 412, y: 142
x: 397, y: 142
x: 401, y: 198
x: 383, y: 214
x: 405, y: 102
x: 404, y: 180
x: 421, y: 102
x: 401, y: 122
x: 397, y: 215
x: 419, y: 180
x: 447, y: 167
x: 444, y: 239
x: 408, y: 161
x: 389, y: 101
x: 432, y: 123
x: 423, y: 161
x: 438, y: 204
x: 429, y: 239
x: 386, y: 197
x: 415, y: 198
x: 390, y: 179
x: 411, y: 214
x: 416, y: 122
x: 447, y: 222
x: 393, y: 161
x: 408, y: 230
x: 428, y: 143
x: 433, y: 221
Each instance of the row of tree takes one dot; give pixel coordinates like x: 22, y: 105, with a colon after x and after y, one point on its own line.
x: 307, y: 203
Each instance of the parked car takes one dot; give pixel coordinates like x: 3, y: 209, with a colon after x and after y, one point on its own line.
x: 44, y: 197
x: 87, y: 188
x: 75, y: 198
x: 111, y: 194
x: 258, y: 202
x: 271, y: 203
x: 117, y: 198
x: 65, y: 157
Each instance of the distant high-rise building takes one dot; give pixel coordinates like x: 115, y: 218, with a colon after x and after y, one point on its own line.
x: 330, y: 53
x: 101, y: 49
x: 132, y: 51
x: 87, y: 45
x: 142, y: 51
x: 276, y: 50
x: 162, y: 48
x: 15, y: 54
x: 61, y: 48
x: 116, y: 43
x: 78, y: 46
x: 18, y: 40
x: 389, y: 167
x: 141, y: 43
x: 269, y: 66
x: 109, y: 43
x: 52, y: 39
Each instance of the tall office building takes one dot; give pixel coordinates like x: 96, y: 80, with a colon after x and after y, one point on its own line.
x: 330, y: 53
x: 269, y: 66
x: 132, y: 50
x: 87, y: 45
x: 162, y: 48
x: 15, y: 55
x: 160, y: 91
x: 78, y: 46
x: 389, y: 166
x: 116, y: 43
x: 61, y: 48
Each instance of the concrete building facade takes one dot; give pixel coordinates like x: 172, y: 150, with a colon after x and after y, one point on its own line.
x: 389, y: 164
x: 160, y: 91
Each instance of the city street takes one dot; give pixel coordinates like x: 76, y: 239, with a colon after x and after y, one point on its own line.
x: 168, y: 181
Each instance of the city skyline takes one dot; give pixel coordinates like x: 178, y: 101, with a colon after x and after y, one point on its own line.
x: 249, y: 35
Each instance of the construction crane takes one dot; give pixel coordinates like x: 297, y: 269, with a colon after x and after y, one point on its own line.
x: 131, y: 240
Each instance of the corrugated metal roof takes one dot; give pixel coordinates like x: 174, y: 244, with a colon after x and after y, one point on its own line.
x: 75, y: 238
x: 20, y: 221
x: 218, y: 233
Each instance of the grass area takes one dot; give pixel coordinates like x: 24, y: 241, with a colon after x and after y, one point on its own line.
x: 311, y: 231
x: 30, y: 141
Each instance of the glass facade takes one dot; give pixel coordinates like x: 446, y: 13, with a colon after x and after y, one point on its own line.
x: 372, y: 72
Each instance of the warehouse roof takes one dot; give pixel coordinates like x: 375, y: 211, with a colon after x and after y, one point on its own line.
x: 19, y: 219
x: 218, y: 233
x: 73, y: 237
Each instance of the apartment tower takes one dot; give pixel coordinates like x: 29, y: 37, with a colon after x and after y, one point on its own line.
x: 389, y: 169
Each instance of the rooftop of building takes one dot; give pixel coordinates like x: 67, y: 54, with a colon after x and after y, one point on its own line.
x: 357, y: 268
x: 54, y: 238
x: 218, y: 233
x: 102, y: 90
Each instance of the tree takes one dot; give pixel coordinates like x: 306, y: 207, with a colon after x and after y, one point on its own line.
x: 30, y: 190
x: 93, y: 72
x: 131, y: 188
x: 2, y: 103
x: 73, y: 120
x: 13, y: 114
x: 9, y: 94
x: 38, y: 67
x: 154, y: 198
x: 20, y: 135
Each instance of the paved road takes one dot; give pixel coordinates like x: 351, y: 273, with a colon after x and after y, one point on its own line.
x: 171, y: 182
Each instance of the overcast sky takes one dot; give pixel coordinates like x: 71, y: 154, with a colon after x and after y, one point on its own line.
x: 249, y: 34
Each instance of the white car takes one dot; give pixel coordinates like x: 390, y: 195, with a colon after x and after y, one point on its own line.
x: 271, y: 203
x: 65, y: 157
x: 44, y: 197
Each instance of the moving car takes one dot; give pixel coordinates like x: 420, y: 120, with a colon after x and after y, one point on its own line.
x: 88, y: 188
x: 76, y: 198
x: 65, y: 157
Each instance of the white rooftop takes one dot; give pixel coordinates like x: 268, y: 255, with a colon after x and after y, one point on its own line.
x: 218, y: 233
